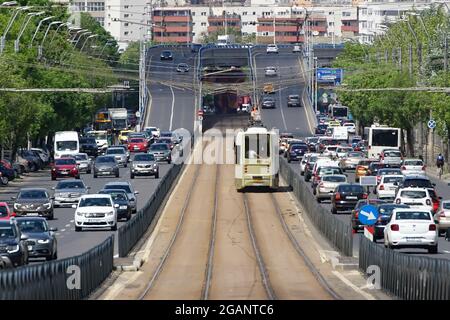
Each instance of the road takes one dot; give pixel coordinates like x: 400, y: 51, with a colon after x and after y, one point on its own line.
x: 172, y: 101
x: 288, y: 81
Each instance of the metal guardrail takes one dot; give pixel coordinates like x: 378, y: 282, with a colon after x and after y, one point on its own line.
x: 336, y: 231
x: 132, y: 231
x: 408, y: 277
x: 52, y: 280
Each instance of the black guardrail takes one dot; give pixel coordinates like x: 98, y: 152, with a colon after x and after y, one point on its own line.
x: 407, y: 277
x: 336, y: 231
x: 72, y: 278
x: 132, y: 231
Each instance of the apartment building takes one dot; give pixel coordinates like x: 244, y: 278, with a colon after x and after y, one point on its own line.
x: 172, y: 25
x: 96, y: 8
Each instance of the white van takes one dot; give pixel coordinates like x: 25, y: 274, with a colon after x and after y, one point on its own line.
x: 66, y: 143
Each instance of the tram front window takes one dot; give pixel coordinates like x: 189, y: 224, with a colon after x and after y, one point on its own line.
x: 257, y: 146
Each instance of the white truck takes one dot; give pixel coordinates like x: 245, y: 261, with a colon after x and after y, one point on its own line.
x: 340, y: 133
x: 223, y: 40
x: 119, y: 118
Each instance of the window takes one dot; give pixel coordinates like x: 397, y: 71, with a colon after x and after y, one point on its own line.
x: 203, y: 13
x: 126, y: 24
x: 203, y: 24
x: 244, y: 13
x: 126, y: 7
x: 125, y: 33
x: 331, y: 24
x: 254, y: 13
x: 100, y: 20
x: 193, y: 13
x: 126, y: 15
x: 257, y: 146
x: 331, y: 13
x: 95, y: 6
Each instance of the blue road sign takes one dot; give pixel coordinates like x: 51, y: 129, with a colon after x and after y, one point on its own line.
x: 327, y: 75
x: 368, y: 215
x: 432, y: 124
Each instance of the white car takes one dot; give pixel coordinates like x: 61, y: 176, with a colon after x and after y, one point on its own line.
x: 415, y: 197
x: 413, y: 167
x: 96, y: 211
x: 351, y: 128
x: 330, y: 151
x: 296, y: 48
x: 304, y: 160
x: 391, y: 156
x: 272, y: 48
x: 411, y: 228
x: 387, y: 186
x: 343, y: 151
x: 154, y: 130
x: 328, y: 184
x: 442, y: 216
x: 270, y: 71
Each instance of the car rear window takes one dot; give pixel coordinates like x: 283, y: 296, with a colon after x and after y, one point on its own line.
x: 407, y: 215
x: 383, y: 172
x: 413, y: 194
x: 413, y: 163
x: 392, y: 179
x: 396, y: 154
x: 351, y: 188
x: 137, y: 140
x: 331, y: 178
x: 421, y: 183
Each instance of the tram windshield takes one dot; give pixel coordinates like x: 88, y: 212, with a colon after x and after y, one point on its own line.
x: 257, y: 146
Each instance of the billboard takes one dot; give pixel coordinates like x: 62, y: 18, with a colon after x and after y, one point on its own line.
x: 327, y: 75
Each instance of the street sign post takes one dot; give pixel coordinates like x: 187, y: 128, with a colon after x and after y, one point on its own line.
x: 327, y: 75
x: 368, y: 215
x: 431, y: 124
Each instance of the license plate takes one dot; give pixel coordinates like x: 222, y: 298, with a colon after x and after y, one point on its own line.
x: 64, y: 173
x: 136, y: 147
x: 352, y: 197
x: 145, y: 171
x: 30, y: 248
x: 413, y: 240
x: 92, y: 220
x: 32, y: 214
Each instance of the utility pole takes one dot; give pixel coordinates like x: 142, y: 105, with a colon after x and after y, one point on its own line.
x: 410, y: 61
x: 400, y: 58
x: 446, y: 54
x: 142, y: 84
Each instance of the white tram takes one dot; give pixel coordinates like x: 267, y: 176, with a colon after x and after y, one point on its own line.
x: 256, y: 158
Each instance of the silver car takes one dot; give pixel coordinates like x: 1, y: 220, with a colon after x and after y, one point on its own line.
x: 68, y: 192
x: 270, y: 71
x: 161, y: 152
x: 84, y: 162
x: 144, y: 164
x: 351, y: 160
x: 328, y: 184
x: 106, y: 165
x: 125, y: 185
x: 119, y: 154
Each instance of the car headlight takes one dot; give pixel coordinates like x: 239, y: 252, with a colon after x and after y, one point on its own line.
x: 43, y: 241
x: 13, y: 249
x: 47, y: 205
x: 155, y: 165
x: 123, y: 207
x: 110, y: 213
x: 17, y: 206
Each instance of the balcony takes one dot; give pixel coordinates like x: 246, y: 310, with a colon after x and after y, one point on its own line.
x: 319, y: 28
x: 168, y: 39
x: 350, y: 28
x: 280, y: 39
x: 157, y: 19
x: 171, y: 29
x: 278, y: 28
x: 222, y: 19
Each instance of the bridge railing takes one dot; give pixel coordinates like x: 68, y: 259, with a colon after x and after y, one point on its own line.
x: 338, y: 233
x: 72, y: 278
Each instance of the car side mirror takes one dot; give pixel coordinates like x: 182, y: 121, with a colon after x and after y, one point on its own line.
x: 395, y: 183
x: 136, y: 192
x: 52, y: 198
x: 74, y: 206
x: 53, y: 229
x: 440, y: 198
x: 23, y: 237
x: 88, y: 188
x: 116, y: 205
x: 433, y: 184
x: 53, y: 188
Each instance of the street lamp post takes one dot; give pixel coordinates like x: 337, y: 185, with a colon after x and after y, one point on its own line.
x: 41, y: 46
x: 315, y: 84
x: 38, y: 27
x: 87, y: 39
x: 8, y: 27
x: 85, y: 33
x: 24, y: 26
x: 67, y: 24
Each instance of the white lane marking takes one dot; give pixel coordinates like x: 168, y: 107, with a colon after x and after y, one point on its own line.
x: 445, y: 251
x: 116, y: 256
x: 57, y: 234
x: 72, y: 221
x: 351, y: 285
x: 67, y: 225
x: 281, y: 103
x: 62, y: 230
x: 173, y: 105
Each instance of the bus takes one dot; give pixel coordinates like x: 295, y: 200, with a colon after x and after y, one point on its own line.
x: 102, y: 120
x: 256, y: 158
x: 338, y: 111
x: 67, y: 143
x: 382, y: 137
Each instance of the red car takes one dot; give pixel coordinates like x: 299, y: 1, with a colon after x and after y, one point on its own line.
x: 5, y: 212
x: 137, y: 145
x: 65, y: 168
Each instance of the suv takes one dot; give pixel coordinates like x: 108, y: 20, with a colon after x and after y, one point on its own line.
x: 346, y: 196
x: 125, y: 185
x: 391, y: 156
x: 293, y: 100
x: 415, y: 197
x: 13, y: 244
x: 272, y: 48
x: 418, y: 181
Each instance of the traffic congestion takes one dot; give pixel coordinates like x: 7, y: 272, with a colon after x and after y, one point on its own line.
x: 366, y: 180
x: 28, y: 218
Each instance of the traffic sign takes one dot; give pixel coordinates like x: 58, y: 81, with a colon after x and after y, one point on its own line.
x: 431, y: 124
x: 200, y: 118
x: 368, y: 215
x: 327, y: 75
x: 369, y: 181
x: 200, y: 112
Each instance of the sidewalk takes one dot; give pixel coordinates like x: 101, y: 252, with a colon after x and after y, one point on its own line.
x: 433, y: 173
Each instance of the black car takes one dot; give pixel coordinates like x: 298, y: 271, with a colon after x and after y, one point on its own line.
x: 6, y: 174
x: 166, y: 55
x: 268, y: 102
x: 308, y: 171
x: 120, y: 197
x: 13, y: 243
x: 35, y: 162
x: 356, y: 224
x: 293, y: 100
x: 88, y: 146
x: 41, y: 238
x: 345, y: 197
x: 296, y: 151
x: 34, y: 202
x: 416, y: 181
x: 384, y: 215
x: 321, y: 129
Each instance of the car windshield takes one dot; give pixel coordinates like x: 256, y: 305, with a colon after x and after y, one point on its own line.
x: 65, y: 162
x: 70, y: 185
x: 293, y: 98
x: 144, y: 157
x: 392, y: 180
x: 137, y: 140
x: 66, y: 145
x: 81, y: 157
x: 331, y: 178
x: 413, y: 194
x: 413, y: 163
x: 299, y: 147
x: 101, y: 137
x: 120, y: 187
x: 351, y: 188
x: 159, y: 147
x: 115, y: 151
x: 354, y: 155
x: 32, y: 194
x: 95, y: 202
x: 105, y: 160
x: 7, y: 231
x: 3, y: 211
x: 32, y: 226
x: 164, y: 140
x: 117, y: 196
x: 415, y: 215
x: 124, y: 133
